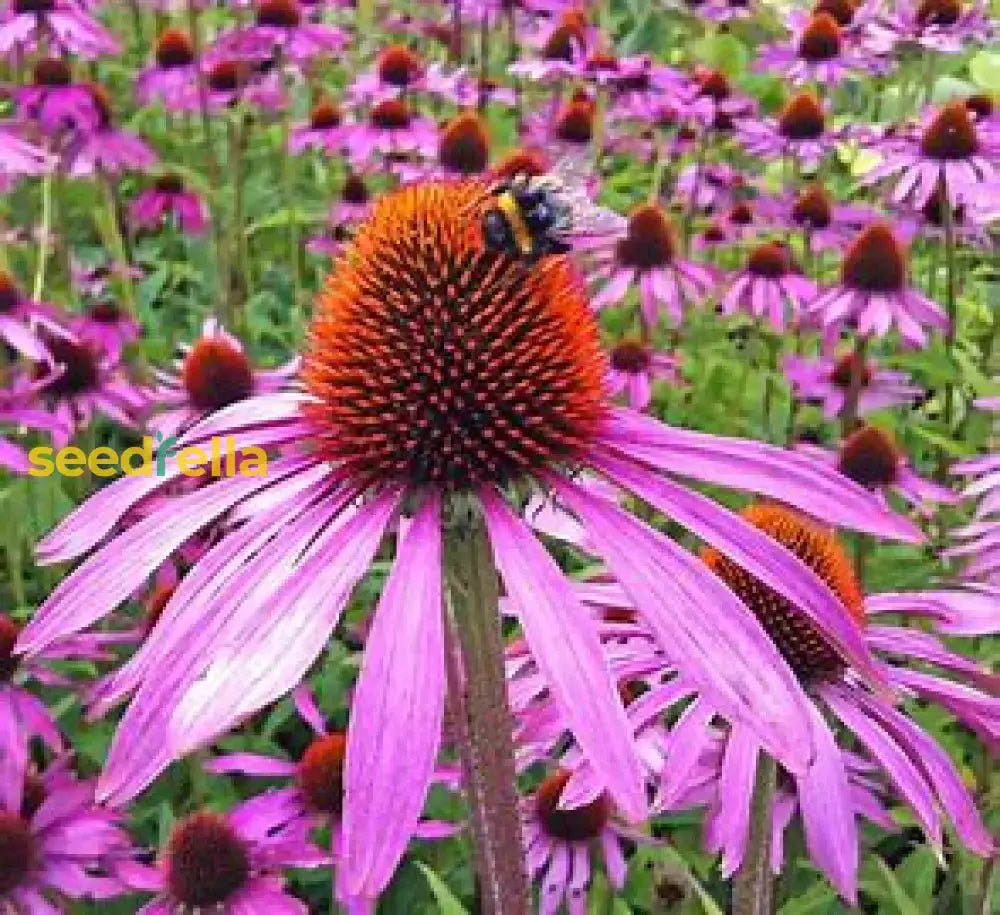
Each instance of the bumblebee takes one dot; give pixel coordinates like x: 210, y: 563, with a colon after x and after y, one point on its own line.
x: 535, y: 216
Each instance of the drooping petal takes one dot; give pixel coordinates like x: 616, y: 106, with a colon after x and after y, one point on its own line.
x: 254, y: 644
x: 397, y: 711
x: 938, y: 769
x: 702, y: 627
x: 112, y: 574
x: 893, y: 759
x: 828, y: 814
x: 564, y: 643
x: 757, y: 467
x: 751, y: 549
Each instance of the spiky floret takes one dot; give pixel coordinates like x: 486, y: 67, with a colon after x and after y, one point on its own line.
x: 321, y: 773
x: 869, y: 456
x: 9, y: 631
x: 436, y: 359
x: 579, y: 824
x: 206, y: 861
x: 807, y: 652
x: 17, y: 851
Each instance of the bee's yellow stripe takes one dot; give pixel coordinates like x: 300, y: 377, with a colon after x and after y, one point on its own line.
x: 522, y: 235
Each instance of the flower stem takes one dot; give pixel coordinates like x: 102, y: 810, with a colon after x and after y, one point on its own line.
x: 43, y: 238
x: 119, y: 247
x: 194, y: 27
x: 753, y: 883
x: 951, y: 306
x: 485, y: 722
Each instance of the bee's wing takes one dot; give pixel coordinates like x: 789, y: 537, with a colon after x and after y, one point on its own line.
x: 586, y: 217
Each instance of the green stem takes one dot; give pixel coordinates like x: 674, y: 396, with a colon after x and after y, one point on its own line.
x: 753, y: 883
x: 488, y: 754
x: 288, y: 182
x: 43, y: 241
x: 118, y: 246
x: 951, y: 306
x: 194, y: 27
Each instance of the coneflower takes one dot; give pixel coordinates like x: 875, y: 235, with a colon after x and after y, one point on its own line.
x: 649, y: 257
x: 950, y: 151
x: 874, y: 293
x: 212, y: 372
x: 442, y: 379
x: 839, y: 788
x: 827, y: 380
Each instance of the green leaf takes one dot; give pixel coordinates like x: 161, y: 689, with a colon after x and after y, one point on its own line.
x: 447, y: 903
x: 948, y: 88
x: 723, y: 52
x: 817, y: 899
x: 878, y: 880
x: 918, y: 873
x: 984, y: 69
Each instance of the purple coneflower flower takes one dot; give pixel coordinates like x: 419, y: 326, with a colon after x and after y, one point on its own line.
x: 870, y: 457
x: 212, y: 373
x: 945, y: 26
x: 56, y: 845
x: 325, y: 129
x: 317, y: 791
x: 54, y: 101
x: 826, y: 380
x: 648, y: 256
x: 23, y: 321
x: 819, y: 52
x: 169, y: 196
x: 351, y: 207
x: 280, y: 27
x: 769, y: 287
x: 105, y: 148
x: 874, y: 291
x: 78, y: 379
x: 405, y: 410
x: 231, y: 80
x: 398, y: 70
x: 107, y: 325
x: 919, y: 771
x: 62, y: 22
x: 173, y: 76
x: 825, y: 223
x: 559, y: 843
x: 561, y: 48
x: 800, y: 132
x: 463, y: 150
x: 745, y: 219
x: 392, y: 129
x: 634, y: 367
x: 712, y: 100
x: 709, y: 187
x: 950, y: 150
x: 230, y: 863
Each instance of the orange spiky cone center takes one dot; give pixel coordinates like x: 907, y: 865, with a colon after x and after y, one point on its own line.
x: 805, y: 649
x: 437, y: 360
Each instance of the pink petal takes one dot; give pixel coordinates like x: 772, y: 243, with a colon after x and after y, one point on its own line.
x: 565, y: 646
x: 742, y: 464
x: 397, y: 711
x: 701, y: 627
